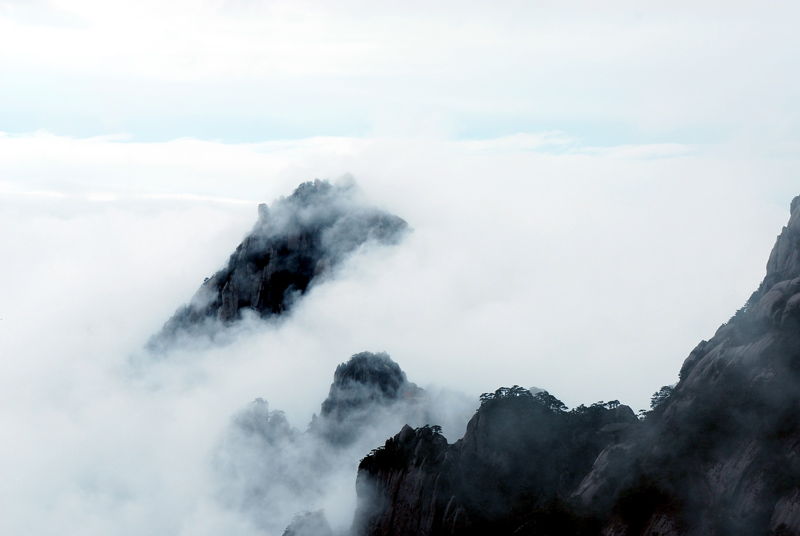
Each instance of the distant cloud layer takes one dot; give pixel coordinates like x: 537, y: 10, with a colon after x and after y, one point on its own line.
x: 591, y: 273
x: 513, y: 250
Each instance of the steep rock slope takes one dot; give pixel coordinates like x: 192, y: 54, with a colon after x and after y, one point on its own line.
x: 300, y: 239
x: 718, y: 456
x: 722, y: 453
x: 519, y: 461
x: 270, y: 470
x: 364, y: 387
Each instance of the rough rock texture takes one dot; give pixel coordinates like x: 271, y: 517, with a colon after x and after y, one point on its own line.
x: 364, y: 386
x: 366, y: 379
x: 300, y: 239
x: 719, y: 456
x: 267, y: 469
x: 512, y: 472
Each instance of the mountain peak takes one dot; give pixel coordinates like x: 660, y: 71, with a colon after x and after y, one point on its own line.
x: 362, y: 387
x: 293, y: 245
x: 365, y: 379
x: 718, y: 454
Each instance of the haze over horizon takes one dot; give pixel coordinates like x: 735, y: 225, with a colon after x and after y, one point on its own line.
x: 591, y: 194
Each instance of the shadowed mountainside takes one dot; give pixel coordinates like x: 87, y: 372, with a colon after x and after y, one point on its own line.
x: 361, y: 386
x: 520, y: 458
x: 293, y: 245
x: 719, y: 454
x: 269, y: 469
x: 722, y: 452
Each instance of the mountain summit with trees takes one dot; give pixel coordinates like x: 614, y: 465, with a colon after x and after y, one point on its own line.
x: 718, y: 454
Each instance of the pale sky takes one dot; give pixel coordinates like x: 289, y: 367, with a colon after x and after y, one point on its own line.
x: 592, y: 191
x: 250, y: 71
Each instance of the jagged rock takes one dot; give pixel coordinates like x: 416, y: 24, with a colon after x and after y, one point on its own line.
x: 366, y: 379
x: 719, y: 456
x: 402, y: 488
x: 511, y: 472
x: 362, y: 387
x: 302, y: 238
x: 266, y: 468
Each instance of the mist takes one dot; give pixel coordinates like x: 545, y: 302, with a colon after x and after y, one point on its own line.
x: 589, y: 193
x: 590, y: 273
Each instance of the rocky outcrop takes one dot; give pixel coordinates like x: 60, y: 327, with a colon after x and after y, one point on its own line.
x: 268, y: 469
x: 297, y: 242
x: 404, y: 487
x: 366, y: 379
x: 722, y: 453
x: 719, y: 455
x: 513, y: 472
x: 364, y: 386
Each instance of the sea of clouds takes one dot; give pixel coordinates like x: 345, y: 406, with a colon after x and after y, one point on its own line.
x: 532, y: 261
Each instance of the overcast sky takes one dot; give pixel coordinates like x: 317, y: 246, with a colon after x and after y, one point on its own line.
x: 593, y: 190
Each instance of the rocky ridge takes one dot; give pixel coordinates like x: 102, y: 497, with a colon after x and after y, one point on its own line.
x: 362, y: 387
x: 718, y: 455
x: 296, y: 243
x: 268, y: 468
x: 520, y: 459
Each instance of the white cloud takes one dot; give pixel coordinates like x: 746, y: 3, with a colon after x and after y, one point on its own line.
x: 538, y: 258
x: 591, y: 273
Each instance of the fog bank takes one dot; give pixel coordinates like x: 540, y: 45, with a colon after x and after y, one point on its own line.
x: 591, y: 273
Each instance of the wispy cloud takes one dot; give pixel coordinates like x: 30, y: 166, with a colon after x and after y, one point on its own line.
x: 249, y: 70
x: 590, y: 273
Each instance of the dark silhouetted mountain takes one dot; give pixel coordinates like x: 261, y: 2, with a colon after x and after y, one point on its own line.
x: 520, y: 457
x: 267, y: 468
x: 301, y: 239
x: 718, y: 455
x: 722, y: 454
x: 366, y: 383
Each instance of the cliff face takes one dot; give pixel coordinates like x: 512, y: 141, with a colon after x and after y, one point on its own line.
x: 518, y: 462
x: 366, y: 379
x: 362, y: 390
x: 270, y: 470
x: 303, y: 237
x: 719, y: 456
x: 723, y: 451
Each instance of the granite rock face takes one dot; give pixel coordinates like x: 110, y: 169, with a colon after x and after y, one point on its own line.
x: 296, y: 243
x: 719, y: 455
x: 362, y: 389
x: 367, y: 378
x: 512, y: 472
x: 722, y: 453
